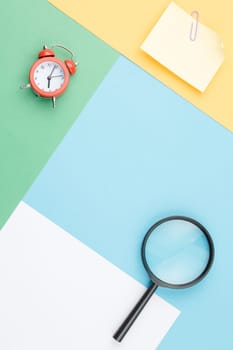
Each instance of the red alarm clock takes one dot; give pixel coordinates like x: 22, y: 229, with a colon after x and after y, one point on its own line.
x: 49, y: 76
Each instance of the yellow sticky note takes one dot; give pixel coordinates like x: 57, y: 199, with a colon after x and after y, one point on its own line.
x: 125, y: 25
x: 195, y: 61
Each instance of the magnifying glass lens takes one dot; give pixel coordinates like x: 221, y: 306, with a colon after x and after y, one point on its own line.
x: 177, y: 252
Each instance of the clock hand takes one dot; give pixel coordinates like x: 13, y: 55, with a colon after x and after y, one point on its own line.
x: 50, y: 75
x: 56, y: 76
x: 49, y: 79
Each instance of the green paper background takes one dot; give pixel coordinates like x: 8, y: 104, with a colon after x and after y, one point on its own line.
x: 30, y: 129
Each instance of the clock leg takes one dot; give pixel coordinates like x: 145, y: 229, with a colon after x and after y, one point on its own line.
x: 25, y: 86
x: 54, y: 101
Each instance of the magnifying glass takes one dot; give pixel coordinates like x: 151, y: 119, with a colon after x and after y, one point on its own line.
x: 177, y: 252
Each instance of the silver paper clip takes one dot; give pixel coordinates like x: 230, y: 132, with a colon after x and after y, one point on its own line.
x: 193, y: 32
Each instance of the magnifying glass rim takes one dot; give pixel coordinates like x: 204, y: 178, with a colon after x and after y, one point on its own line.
x: 158, y: 281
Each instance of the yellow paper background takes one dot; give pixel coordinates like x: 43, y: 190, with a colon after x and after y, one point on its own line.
x: 124, y: 25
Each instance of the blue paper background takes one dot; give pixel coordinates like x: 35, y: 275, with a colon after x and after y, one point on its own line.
x: 139, y: 152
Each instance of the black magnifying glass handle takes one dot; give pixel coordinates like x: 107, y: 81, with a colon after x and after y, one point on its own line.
x: 135, y: 312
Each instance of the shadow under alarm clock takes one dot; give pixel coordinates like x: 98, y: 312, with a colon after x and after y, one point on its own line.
x: 49, y: 76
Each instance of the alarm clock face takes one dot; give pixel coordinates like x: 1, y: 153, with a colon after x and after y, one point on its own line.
x: 49, y: 77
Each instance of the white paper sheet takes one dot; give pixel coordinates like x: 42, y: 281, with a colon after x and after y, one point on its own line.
x: 57, y: 294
